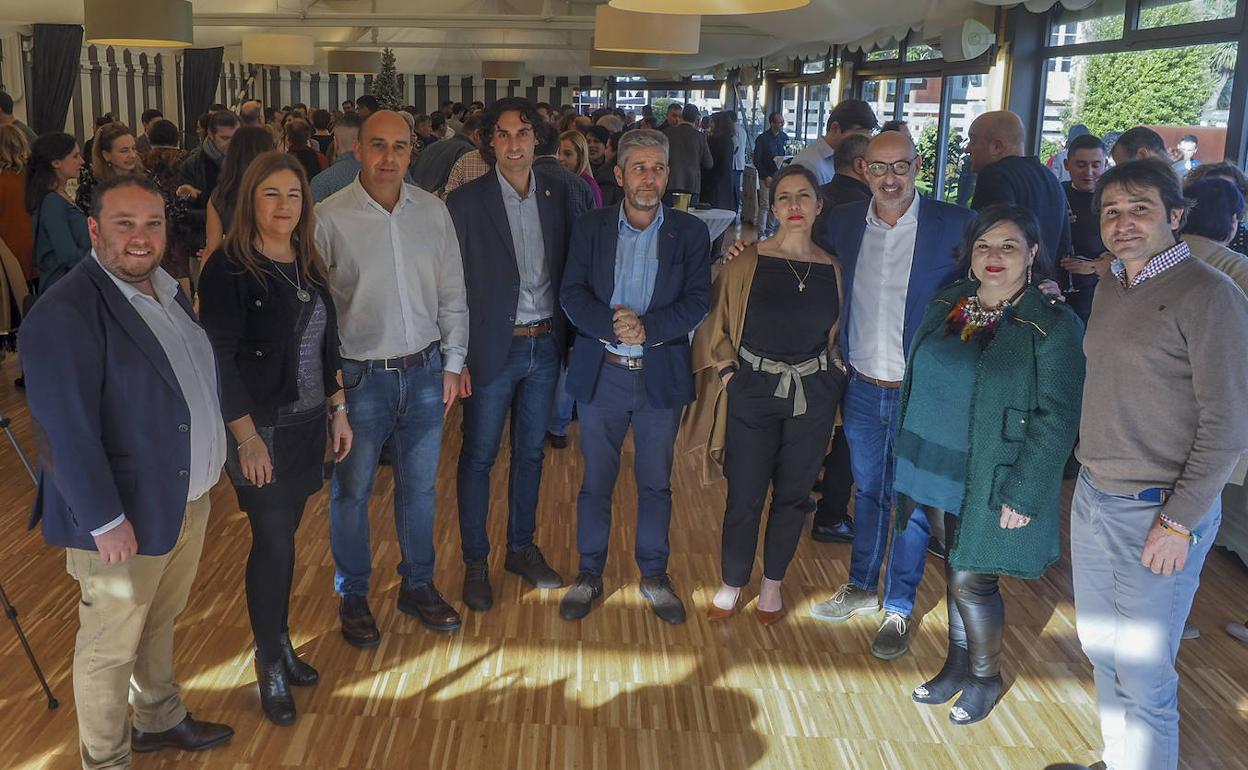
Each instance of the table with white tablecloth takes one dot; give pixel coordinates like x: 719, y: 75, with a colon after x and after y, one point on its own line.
x: 716, y: 220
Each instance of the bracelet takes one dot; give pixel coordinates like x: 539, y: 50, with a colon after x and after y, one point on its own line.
x: 252, y: 437
x: 1172, y: 526
x: 336, y: 408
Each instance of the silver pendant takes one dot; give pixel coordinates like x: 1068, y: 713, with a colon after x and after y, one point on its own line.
x: 801, y: 286
x: 303, y: 295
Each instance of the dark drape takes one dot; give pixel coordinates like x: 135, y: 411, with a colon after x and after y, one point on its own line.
x: 54, y: 74
x: 201, y: 74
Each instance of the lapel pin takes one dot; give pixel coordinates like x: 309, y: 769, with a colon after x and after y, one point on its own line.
x: 548, y: 193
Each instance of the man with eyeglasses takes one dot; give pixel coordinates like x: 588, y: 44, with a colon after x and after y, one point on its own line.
x: 896, y: 250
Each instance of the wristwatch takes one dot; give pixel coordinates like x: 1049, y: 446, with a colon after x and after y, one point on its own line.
x: 336, y: 408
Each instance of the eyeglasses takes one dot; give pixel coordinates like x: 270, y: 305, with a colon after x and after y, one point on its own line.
x: 899, y: 167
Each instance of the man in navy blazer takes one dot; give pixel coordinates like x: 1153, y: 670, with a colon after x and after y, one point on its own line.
x: 636, y: 284
x: 122, y: 384
x: 896, y: 250
x: 513, y: 226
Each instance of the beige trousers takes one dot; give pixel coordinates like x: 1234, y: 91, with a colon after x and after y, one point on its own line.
x: 124, y: 649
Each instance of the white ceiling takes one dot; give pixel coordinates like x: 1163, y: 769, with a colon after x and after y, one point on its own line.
x: 452, y: 37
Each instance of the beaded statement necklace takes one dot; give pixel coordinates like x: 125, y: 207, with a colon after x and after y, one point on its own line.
x: 970, y: 320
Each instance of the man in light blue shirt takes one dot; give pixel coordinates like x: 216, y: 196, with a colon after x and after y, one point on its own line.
x: 345, y: 166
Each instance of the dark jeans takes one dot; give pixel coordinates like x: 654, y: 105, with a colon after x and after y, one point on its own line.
x: 526, y: 388
x: 837, y: 483
x: 270, y: 572
x: 405, y: 409
x: 619, y: 401
x: 766, y: 446
x: 976, y: 609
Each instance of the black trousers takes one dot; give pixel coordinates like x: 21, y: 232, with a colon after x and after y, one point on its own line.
x: 270, y: 573
x: 766, y: 446
x: 976, y: 609
x: 837, y: 483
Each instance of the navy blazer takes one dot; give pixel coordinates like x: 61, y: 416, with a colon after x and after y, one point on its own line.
x: 113, y: 425
x: 935, y: 263
x: 490, y: 270
x: 682, y: 290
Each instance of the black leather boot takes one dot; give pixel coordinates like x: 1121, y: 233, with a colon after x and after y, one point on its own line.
x: 298, y: 673
x: 275, y: 698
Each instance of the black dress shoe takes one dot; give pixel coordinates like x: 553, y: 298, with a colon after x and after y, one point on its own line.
x: 557, y: 441
x: 358, y: 626
x: 580, y: 598
x: 427, y: 605
x: 529, y: 564
x: 658, y: 590
x: 275, y: 698
x: 298, y: 673
x: 836, y: 529
x: 477, y: 593
x: 187, y: 735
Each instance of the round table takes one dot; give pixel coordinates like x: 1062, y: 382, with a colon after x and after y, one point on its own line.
x: 716, y: 220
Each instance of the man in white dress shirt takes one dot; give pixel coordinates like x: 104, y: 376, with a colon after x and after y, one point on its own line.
x: 852, y: 116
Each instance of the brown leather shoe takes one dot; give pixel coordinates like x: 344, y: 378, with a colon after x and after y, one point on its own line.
x: 358, y: 626
x: 427, y: 605
x: 187, y: 735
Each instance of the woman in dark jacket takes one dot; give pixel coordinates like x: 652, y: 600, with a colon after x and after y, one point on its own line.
x: 988, y: 415
x: 266, y: 306
x: 717, y: 180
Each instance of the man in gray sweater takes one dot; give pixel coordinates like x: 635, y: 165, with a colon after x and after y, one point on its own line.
x: 1164, y: 422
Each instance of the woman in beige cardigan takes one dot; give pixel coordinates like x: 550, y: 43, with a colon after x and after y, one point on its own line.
x: 768, y: 381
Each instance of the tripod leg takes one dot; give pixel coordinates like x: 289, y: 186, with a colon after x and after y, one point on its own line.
x: 11, y: 613
x: 4, y: 423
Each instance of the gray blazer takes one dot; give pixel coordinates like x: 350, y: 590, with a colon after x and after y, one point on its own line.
x: 689, y: 154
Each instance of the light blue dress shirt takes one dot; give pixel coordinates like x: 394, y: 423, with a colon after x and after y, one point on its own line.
x: 636, y: 266
x: 536, y: 299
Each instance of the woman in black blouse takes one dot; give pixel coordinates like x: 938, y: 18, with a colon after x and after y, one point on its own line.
x: 769, y: 378
x: 266, y: 305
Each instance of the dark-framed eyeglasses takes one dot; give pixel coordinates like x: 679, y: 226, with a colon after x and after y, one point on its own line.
x: 899, y: 167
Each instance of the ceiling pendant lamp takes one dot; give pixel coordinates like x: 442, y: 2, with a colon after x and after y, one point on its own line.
x: 627, y: 62
x: 138, y: 23
x: 278, y: 50
x: 354, y: 62
x: 502, y: 70
x: 628, y: 32
x: 708, y: 7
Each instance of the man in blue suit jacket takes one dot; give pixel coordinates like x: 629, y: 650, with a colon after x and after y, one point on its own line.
x: 896, y: 249
x: 513, y: 226
x: 122, y: 384
x: 637, y: 283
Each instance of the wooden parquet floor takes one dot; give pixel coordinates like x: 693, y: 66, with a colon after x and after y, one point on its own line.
x: 520, y: 688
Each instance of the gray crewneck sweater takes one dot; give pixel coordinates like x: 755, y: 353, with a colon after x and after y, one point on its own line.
x: 1165, y: 401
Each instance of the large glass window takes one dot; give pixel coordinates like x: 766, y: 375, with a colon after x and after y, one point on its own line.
x: 1165, y: 13
x: 806, y: 107
x: 1103, y: 20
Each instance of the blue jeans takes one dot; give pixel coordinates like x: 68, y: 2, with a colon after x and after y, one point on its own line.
x: 620, y: 400
x: 870, y: 416
x: 404, y: 408
x: 526, y: 387
x: 561, y: 416
x: 1130, y: 622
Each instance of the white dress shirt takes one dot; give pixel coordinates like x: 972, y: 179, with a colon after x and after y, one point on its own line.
x: 818, y: 158
x: 396, y: 277
x: 877, y: 317
x: 740, y: 142
x: 191, y: 357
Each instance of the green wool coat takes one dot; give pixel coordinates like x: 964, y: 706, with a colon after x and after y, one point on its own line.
x: 1024, y: 420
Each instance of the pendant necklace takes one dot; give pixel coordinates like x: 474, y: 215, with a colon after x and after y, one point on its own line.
x: 801, y: 279
x: 301, y: 293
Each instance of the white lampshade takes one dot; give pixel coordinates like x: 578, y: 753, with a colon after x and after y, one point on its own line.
x: 708, y: 7
x: 502, y: 70
x: 278, y: 50
x: 138, y: 23
x: 354, y: 62
x: 628, y: 32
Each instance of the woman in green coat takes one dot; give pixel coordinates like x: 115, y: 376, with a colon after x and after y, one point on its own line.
x: 989, y: 412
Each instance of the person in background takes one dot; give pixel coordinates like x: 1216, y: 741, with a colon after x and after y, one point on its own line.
x: 348, y: 106
x: 163, y: 161
x: 201, y: 170
x: 717, y: 190
x: 850, y: 182
x: 988, y: 414
x: 768, y: 146
x: 740, y: 143
x: 472, y: 164
x: 612, y: 121
x: 61, y: 238
x: 1086, y: 160
x: 672, y: 117
x: 344, y: 168
x: 778, y: 343
x: 15, y: 223
x: 143, y: 144
x: 100, y: 122
x: 897, y: 125
x: 455, y: 118
x: 433, y: 167
x: 690, y: 154
x: 366, y: 105
x: 438, y: 127
x: 611, y: 192
x: 1187, y: 147
x: 852, y: 116
x: 1211, y: 224
x: 298, y: 138
x: 8, y: 119
x: 251, y: 113
x: 266, y: 289
x: 1226, y: 170
x: 1139, y: 143
x: 323, y: 133
x: 112, y: 154
x: 249, y: 143
x: 1057, y: 163
x: 596, y: 139
x: 574, y: 156
x: 637, y: 283
x: 1163, y: 427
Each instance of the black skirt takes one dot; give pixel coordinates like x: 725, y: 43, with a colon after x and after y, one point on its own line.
x: 297, y: 450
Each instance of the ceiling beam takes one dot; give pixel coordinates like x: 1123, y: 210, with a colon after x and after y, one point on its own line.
x: 448, y: 46
x: 430, y: 21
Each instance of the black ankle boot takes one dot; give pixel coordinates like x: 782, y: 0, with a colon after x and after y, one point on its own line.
x: 949, y: 682
x: 979, y: 696
x: 275, y: 698
x: 298, y: 673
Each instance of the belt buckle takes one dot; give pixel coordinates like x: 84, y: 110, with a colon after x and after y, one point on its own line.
x: 634, y: 362
x: 386, y: 366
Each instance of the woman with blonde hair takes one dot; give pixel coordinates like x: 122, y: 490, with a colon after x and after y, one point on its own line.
x: 574, y: 156
x: 265, y: 303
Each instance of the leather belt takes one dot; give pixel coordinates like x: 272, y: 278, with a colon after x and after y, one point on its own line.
x: 889, y: 384
x: 628, y: 362
x: 532, y: 330
x: 403, y: 363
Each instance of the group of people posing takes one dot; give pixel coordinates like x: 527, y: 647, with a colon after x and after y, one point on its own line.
x: 357, y: 324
